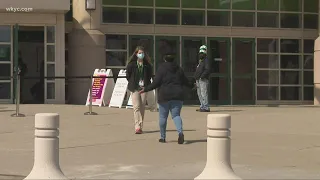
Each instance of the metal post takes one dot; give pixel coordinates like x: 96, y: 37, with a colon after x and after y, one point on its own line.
x: 17, y: 114
x: 90, y: 100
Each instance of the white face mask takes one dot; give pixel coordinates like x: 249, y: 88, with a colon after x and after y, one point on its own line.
x: 140, y: 55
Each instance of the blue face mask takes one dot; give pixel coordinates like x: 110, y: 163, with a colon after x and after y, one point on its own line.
x: 140, y: 55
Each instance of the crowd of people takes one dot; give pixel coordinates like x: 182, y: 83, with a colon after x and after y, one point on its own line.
x: 169, y: 80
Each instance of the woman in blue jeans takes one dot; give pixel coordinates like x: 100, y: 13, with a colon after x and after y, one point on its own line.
x: 169, y: 80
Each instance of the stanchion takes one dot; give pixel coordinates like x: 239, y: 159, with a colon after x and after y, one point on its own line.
x: 17, y: 114
x: 90, y: 100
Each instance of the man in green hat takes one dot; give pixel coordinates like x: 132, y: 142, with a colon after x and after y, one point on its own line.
x: 202, y: 79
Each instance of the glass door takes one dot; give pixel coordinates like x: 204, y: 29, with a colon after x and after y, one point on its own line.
x: 243, y: 71
x: 167, y: 44
x: 49, y: 63
x: 220, y: 80
x: 190, y: 51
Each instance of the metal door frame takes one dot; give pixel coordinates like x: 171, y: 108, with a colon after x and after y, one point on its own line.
x: 158, y: 38
x: 183, y: 38
x: 244, y: 76
x: 226, y: 75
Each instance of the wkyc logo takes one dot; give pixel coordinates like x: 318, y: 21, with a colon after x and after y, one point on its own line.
x: 12, y: 9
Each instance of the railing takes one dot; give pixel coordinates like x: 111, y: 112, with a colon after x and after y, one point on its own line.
x: 17, y: 90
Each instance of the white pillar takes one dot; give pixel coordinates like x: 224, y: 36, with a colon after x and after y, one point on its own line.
x: 46, y: 148
x: 218, y: 149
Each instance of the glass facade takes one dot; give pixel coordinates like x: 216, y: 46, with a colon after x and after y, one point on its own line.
x: 293, y: 14
x: 246, y: 69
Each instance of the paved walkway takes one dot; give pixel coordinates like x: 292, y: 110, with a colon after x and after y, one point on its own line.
x: 267, y: 143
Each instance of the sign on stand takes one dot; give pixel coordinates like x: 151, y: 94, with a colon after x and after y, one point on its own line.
x: 119, y: 90
x: 101, y: 88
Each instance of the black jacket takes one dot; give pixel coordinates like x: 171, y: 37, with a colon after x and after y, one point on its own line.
x: 203, y: 70
x: 170, y: 80
x: 131, y: 74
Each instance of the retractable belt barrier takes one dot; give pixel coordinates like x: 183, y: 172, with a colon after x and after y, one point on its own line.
x: 18, y: 86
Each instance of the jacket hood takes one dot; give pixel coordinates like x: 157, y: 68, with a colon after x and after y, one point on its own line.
x: 171, y: 66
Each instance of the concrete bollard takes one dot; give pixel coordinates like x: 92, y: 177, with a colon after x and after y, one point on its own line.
x: 46, y: 148
x: 218, y: 149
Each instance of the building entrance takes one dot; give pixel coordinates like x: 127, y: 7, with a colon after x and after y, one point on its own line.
x: 31, y: 63
x: 34, y: 53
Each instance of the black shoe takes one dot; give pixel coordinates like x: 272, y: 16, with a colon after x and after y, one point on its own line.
x: 162, y: 140
x: 204, y: 110
x: 198, y: 110
x: 181, y: 138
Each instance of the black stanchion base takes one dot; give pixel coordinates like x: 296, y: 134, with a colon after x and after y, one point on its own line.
x: 90, y: 113
x: 18, y: 115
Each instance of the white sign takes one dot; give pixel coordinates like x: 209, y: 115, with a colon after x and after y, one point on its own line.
x: 119, y: 90
x: 101, y: 87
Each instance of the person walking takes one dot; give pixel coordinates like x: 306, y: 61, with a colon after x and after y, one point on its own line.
x: 169, y: 80
x: 138, y: 74
x: 202, y: 79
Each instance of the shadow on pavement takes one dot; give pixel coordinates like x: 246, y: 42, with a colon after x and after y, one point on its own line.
x: 11, y: 176
x: 191, y: 141
x: 7, y: 110
x: 227, y: 110
x: 171, y: 130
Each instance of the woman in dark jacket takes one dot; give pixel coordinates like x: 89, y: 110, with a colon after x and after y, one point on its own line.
x: 170, y: 80
x: 138, y: 74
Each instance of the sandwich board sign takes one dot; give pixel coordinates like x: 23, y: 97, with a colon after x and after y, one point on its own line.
x: 101, y: 87
x: 119, y: 90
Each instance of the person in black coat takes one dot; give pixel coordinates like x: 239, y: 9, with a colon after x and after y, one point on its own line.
x: 170, y: 80
x: 138, y: 74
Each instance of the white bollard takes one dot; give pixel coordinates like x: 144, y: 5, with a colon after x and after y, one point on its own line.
x: 46, y: 148
x: 218, y: 149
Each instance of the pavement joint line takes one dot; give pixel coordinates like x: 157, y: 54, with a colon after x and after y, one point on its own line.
x: 100, y: 144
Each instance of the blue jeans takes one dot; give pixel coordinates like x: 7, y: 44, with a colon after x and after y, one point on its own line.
x: 202, y: 90
x: 174, y: 107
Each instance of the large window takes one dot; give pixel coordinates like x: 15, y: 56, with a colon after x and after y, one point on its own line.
x: 285, y: 69
x: 287, y: 14
x: 307, y: 64
x: 116, y: 50
x: 114, y: 11
x: 268, y: 69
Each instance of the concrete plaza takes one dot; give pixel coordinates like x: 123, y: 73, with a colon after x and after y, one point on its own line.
x: 267, y: 143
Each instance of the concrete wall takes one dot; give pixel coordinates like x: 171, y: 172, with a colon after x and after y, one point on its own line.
x: 86, y: 49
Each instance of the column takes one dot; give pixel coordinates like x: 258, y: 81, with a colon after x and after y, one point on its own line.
x: 316, y: 66
x: 86, y: 49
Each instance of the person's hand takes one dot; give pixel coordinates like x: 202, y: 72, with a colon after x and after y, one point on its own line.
x: 141, y: 91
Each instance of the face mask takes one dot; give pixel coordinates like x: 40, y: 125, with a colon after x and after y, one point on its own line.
x: 140, y: 55
x: 202, y: 56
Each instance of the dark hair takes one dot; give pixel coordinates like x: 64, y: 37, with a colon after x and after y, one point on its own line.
x: 169, y: 57
x: 134, y: 57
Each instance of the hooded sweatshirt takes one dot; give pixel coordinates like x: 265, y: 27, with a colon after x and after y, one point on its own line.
x: 169, y: 80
